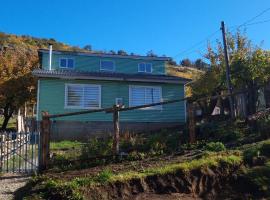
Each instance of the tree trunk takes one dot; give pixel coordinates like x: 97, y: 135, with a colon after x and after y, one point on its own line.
x: 8, y: 111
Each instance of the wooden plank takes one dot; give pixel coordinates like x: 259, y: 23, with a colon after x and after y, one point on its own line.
x: 45, y: 141
x: 116, y: 127
x: 191, y: 123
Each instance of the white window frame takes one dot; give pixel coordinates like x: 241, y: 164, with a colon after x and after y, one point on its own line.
x: 67, y: 63
x: 81, y: 107
x: 159, y: 107
x: 100, y: 68
x: 145, y: 67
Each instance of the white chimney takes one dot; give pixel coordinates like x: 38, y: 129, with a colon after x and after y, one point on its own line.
x: 50, y: 57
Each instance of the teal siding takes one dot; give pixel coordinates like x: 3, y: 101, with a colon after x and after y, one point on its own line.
x: 90, y: 63
x: 52, y: 98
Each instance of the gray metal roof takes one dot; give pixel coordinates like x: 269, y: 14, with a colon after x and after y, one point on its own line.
x: 80, y: 75
x: 107, y: 55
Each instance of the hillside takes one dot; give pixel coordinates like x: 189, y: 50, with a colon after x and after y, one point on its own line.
x: 185, y: 72
x: 33, y: 43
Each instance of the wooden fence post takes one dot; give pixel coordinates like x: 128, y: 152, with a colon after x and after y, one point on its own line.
x: 44, y: 142
x: 116, y: 127
x: 191, y: 123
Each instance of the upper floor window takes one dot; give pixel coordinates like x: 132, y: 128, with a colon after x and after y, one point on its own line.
x: 67, y: 63
x: 106, y: 65
x: 145, y: 67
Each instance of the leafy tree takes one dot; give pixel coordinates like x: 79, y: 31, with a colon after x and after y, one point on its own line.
x: 151, y: 53
x: 200, y: 64
x: 172, y: 62
x: 186, y: 62
x: 122, y: 52
x: 17, y: 84
x: 250, y: 67
x: 87, y: 47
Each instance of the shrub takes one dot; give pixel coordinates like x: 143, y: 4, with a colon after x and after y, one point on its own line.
x: 104, y: 176
x: 221, y: 131
x: 215, y: 146
x: 249, y: 154
x: 97, y: 147
x: 264, y: 127
x: 257, y: 179
x: 265, y: 149
x: 58, y: 190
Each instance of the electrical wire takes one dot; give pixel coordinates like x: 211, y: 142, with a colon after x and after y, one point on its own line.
x: 245, y: 24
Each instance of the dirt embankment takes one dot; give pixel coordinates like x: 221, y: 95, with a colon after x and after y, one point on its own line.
x: 203, y: 183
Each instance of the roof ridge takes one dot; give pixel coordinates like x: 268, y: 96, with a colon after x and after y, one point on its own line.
x: 161, y: 58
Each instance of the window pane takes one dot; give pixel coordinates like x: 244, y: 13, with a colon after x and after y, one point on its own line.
x: 107, y: 65
x: 70, y: 63
x: 149, y: 96
x: 141, y: 67
x: 91, y: 97
x: 148, y: 67
x: 63, y: 62
x: 74, y: 96
x: 137, y: 96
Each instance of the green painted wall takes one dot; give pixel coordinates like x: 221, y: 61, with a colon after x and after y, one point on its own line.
x: 89, y: 63
x: 52, y: 97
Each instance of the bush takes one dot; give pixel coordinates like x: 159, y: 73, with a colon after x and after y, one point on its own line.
x: 265, y: 149
x: 215, y: 146
x: 97, y: 147
x: 164, y: 141
x: 104, y: 176
x: 251, y: 153
x: 57, y: 190
x: 220, y: 131
x: 264, y: 127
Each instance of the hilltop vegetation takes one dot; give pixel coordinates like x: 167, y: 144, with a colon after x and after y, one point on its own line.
x: 185, y: 72
x: 32, y: 43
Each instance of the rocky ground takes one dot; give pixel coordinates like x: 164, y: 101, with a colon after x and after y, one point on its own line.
x: 9, y: 183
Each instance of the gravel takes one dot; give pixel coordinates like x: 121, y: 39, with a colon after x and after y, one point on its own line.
x: 9, y: 183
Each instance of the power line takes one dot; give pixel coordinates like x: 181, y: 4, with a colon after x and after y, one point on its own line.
x: 197, y: 44
x: 259, y: 22
x: 246, y: 23
x: 253, y: 18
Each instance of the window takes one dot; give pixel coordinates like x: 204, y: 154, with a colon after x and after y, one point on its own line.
x: 82, y: 96
x: 106, y: 65
x: 145, y: 67
x: 141, y: 95
x: 67, y: 63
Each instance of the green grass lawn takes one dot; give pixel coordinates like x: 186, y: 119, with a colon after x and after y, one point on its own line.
x: 65, y: 145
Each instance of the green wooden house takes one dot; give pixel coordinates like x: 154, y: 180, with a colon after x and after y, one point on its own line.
x: 75, y: 81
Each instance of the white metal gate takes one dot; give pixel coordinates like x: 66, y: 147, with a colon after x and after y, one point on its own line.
x: 19, y: 152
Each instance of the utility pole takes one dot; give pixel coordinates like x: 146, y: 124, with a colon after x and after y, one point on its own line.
x: 228, y: 78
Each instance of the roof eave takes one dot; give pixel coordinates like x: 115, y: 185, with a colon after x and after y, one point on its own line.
x: 78, y: 77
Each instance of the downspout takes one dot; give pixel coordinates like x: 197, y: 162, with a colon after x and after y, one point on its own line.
x: 185, y: 103
x: 37, y: 112
x: 50, y: 57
